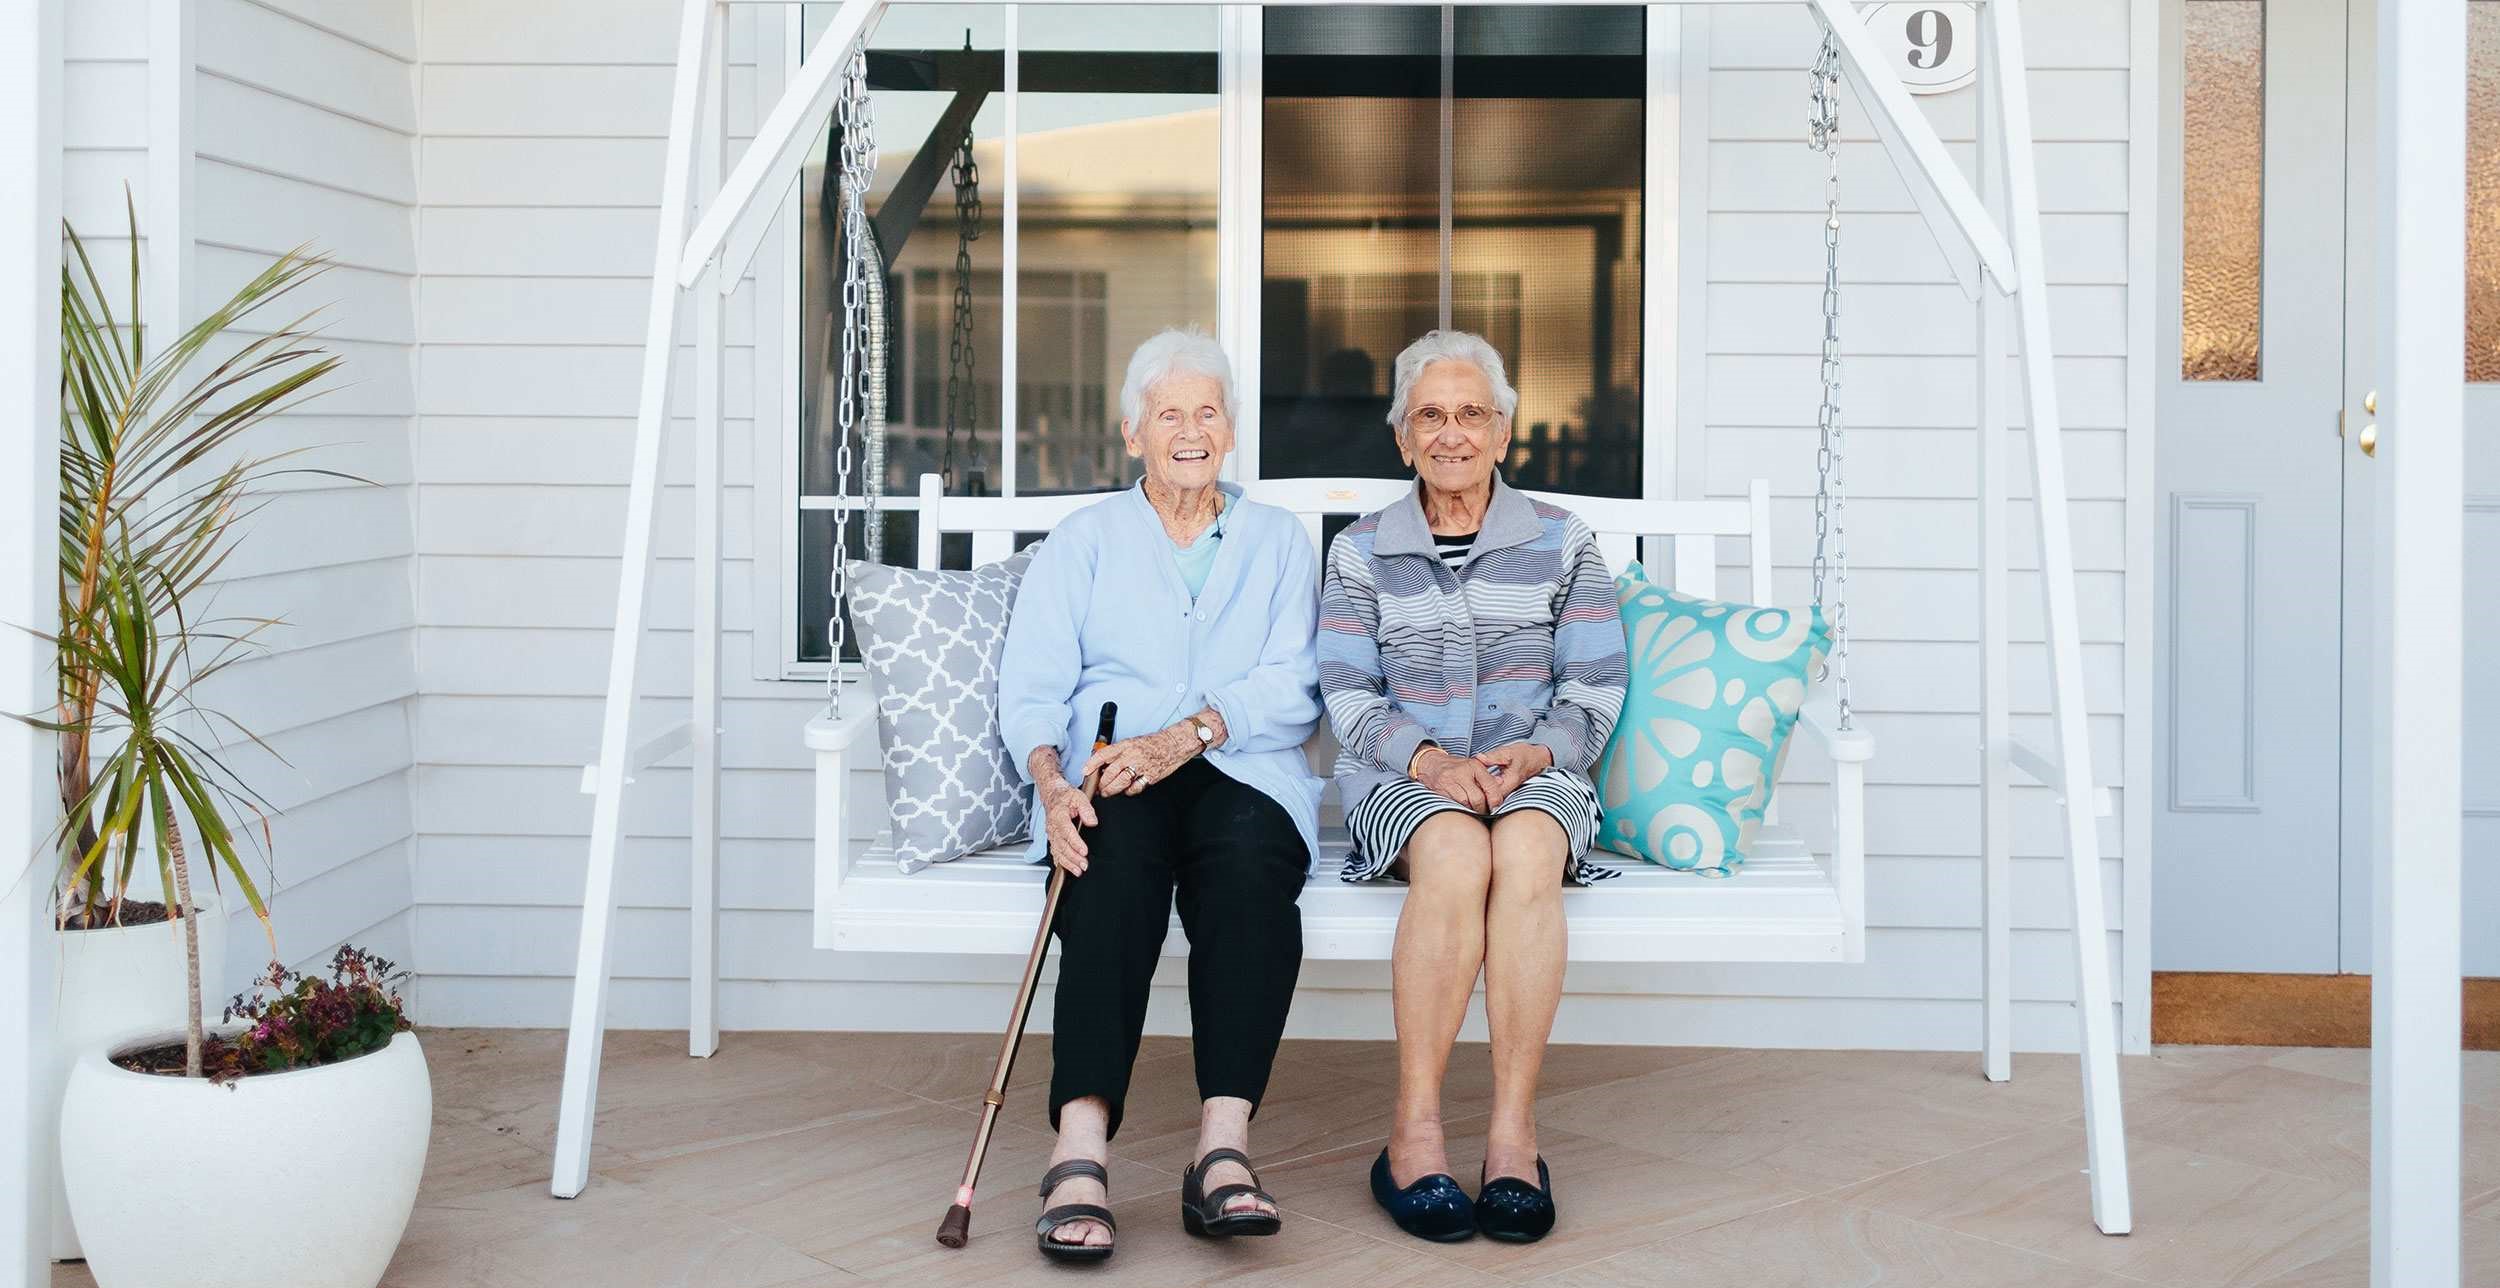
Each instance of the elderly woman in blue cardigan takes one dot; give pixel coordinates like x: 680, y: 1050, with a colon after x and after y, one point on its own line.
x: 1472, y: 665
x: 1193, y: 610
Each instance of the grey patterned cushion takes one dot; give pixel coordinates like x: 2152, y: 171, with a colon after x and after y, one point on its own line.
x: 932, y: 641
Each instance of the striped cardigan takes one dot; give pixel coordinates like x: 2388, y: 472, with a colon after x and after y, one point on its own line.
x: 1521, y: 644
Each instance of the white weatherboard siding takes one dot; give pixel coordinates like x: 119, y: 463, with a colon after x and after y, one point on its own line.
x: 304, y: 124
x: 540, y: 163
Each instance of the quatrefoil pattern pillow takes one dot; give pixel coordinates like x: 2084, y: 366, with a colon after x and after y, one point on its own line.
x: 931, y: 641
x: 1716, y: 688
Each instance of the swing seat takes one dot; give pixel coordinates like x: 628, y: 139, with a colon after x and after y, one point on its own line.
x: 1786, y: 904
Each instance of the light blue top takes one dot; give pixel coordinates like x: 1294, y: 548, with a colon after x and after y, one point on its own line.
x: 1104, y: 616
x: 1197, y: 558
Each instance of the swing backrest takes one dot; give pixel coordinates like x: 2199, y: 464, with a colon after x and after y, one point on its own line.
x: 1677, y: 541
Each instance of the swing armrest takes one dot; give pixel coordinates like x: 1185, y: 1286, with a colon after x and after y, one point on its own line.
x: 1849, y: 746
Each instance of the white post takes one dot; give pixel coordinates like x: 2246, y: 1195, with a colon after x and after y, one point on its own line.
x: 700, y: 29
x: 1996, y: 700
x: 2104, y: 1125
x: 2414, y: 921
x: 703, y: 901
x: 30, y: 418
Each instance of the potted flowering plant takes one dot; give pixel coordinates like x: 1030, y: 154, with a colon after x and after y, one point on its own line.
x: 316, y: 1106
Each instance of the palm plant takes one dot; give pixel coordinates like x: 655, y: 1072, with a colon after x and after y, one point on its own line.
x: 156, y: 486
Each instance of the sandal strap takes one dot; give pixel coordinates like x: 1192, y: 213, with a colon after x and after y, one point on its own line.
x: 1071, y: 1212
x: 1225, y: 1154
x: 1214, y: 1202
x: 1085, y: 1167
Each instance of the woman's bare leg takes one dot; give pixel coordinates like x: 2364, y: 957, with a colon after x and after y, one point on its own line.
x: 1432, y: 973
x: 1523, y: 974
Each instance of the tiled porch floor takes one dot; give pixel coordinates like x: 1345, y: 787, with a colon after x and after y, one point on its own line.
x: 804, y: 1160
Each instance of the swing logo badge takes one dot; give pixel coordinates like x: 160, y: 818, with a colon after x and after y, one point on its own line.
x: 1933, y: 47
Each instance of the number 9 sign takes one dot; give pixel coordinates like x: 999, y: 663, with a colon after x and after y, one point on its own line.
x: 1933, y: 47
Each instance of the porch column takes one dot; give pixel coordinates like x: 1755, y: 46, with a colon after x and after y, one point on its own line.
x: 2420, y: 551
x: 30, y: 417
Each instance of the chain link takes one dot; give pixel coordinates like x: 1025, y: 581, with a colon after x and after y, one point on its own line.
x: 960, y: 389
x: 859, y: 159
x: 1831, y: 493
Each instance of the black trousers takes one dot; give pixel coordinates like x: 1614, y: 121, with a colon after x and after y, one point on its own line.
x: 1234, y: 862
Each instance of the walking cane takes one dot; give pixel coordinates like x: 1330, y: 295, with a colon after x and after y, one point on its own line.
x: 956, y: 1228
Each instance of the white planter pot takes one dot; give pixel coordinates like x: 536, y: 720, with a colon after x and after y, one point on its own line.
x: 115, y: 982
x: 302, y: 1179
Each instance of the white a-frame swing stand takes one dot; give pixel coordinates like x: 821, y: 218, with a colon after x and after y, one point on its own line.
x: 1997, y: 236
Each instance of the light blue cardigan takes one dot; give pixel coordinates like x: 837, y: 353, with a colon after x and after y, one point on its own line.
x: 1103, y: 617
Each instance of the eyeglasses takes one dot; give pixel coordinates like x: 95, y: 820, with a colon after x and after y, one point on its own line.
x: 1430, y: 419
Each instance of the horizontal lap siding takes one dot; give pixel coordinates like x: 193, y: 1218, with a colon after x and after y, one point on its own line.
x: 1910, y: 404
x: 537, y: 222
x: 306, y: 134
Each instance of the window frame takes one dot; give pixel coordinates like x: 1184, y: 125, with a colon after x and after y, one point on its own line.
x: 1667, y: 181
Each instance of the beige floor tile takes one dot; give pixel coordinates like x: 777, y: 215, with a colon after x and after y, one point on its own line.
x: 2199, y: 1220
x: 1155, y: 1253
x: 1818, y: 1243
x: 655, y: 1100
x: 1372, y: 1068
x: 482, y: 1072
x: 464, y: 1159
x: 1608, y: 1198
x: 1780, y: 1120
x: 944, y: 1066
x: 866, y: 1194
x: 2478, y: 1265
x: 2484, y: 1207
x: 2309, y: 1124
x: 615, y: 1233
x: 2482, y: 1078
x: 72, y: 1275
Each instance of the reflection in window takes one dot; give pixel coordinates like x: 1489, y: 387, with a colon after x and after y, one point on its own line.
x: 925, y: 62
x: 2482, y: 190
x: 2223, y: 191
x: 1118, y: 171
x: 1541, y: 112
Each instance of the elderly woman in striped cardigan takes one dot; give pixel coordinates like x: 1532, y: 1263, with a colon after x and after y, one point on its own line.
x: 1472, y: 666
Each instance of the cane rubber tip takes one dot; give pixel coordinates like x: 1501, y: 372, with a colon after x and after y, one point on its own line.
x: 956, y: 1229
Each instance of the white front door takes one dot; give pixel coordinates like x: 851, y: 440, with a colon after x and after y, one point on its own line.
x: 2265, y: 726
x: 2246, y: 858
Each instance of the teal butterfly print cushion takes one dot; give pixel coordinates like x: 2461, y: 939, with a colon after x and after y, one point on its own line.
x: 1716, y: 688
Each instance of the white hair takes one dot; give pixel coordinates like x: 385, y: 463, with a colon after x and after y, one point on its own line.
x: 1173, y: 352
x: 1449, y: 346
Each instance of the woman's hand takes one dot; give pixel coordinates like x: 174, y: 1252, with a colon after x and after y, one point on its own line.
x: 1066, y: 809
x: 1514, y: 764
x: 1461, y: 778
x: 1130, y: 765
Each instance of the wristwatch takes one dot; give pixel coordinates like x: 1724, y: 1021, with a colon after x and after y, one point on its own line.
x: 1206, y: 734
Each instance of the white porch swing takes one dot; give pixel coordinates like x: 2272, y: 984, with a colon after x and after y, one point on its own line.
x: 1786, y: 905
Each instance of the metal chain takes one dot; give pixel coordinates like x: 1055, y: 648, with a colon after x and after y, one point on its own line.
x: 1831, y: 494
x: 859, y: 161
x: 959, y: 357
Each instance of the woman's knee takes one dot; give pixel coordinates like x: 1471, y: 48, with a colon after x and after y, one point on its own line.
x: 1528, y: 852
x: 1450, y: 854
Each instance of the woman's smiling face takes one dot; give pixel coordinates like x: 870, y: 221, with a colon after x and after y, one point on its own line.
x: 1182, y: 431
x: 1454, y: 436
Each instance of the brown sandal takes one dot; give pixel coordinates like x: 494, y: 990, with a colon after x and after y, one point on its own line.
x: 1203, y: 1214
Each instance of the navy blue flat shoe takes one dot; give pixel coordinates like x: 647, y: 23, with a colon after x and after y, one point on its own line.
x: 1434, y: 1207
x: 1513, y: 1211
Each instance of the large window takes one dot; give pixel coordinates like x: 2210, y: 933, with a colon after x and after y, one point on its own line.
x: 1050, y: 189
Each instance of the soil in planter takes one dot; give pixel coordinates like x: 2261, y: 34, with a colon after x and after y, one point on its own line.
x: 134, y: 912
x: 166, y: 1058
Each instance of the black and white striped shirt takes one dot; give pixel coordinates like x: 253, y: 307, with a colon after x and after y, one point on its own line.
x: 1453, y: 550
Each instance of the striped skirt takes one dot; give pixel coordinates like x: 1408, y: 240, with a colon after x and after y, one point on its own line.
x: 1383, y: 821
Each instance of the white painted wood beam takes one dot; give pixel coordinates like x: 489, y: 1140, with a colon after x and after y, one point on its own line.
x: 30, y: 417
x: 2415, y: 1118
x: 703, y: 854
x: 1888, y: 105
x: 2105, y: 1139
x: 750, y: 199
x: 699, y: 30
x: 1996, y: 702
